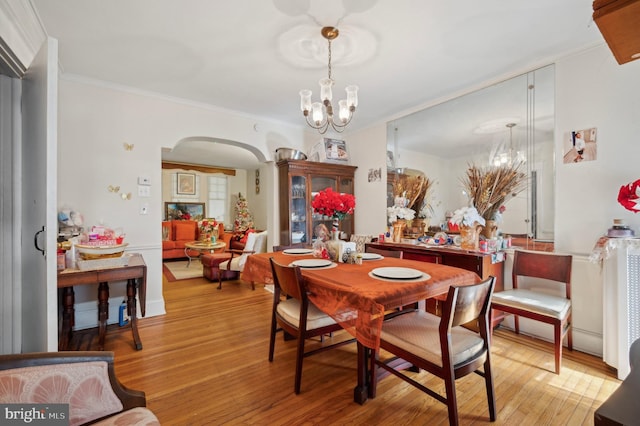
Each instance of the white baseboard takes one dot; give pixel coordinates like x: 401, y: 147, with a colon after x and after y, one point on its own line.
x: 86, y: 313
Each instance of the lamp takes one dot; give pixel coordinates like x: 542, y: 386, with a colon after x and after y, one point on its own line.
x: 319, y: 115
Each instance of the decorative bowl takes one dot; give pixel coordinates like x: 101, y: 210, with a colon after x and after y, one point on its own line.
x: 100, y: 252
x: 289, y: 154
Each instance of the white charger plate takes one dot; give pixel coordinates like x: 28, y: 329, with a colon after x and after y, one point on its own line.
x: 397, y: 273
x: 297, y: 251
x: 372, y: 256
x: 312, y: 263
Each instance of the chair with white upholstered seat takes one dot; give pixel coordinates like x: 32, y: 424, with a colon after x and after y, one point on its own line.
x: 256, y: 243
x: 538, y: 305
x: 297, y: 316
x: 441, y: 346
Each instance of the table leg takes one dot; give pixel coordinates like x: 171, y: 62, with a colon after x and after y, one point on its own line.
x: 68, y: 300
x: 361, y: 391
x: 103, y: 312
x: 131, y: 310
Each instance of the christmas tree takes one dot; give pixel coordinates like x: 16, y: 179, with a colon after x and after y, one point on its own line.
x: 244, y: 220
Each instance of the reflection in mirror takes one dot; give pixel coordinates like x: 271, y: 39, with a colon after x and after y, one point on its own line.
x: 509, y: 121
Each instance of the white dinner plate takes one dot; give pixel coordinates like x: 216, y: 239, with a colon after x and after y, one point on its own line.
x: 312, y: 263
x: 297, y: 251
x: 372, y: 256
x: 397, y: 273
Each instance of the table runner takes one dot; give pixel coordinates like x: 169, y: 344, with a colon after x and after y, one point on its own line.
x: 356, y: 300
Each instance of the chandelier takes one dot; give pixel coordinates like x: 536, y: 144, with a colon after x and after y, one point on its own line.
x: 319, y: 115
x: 509, y: 157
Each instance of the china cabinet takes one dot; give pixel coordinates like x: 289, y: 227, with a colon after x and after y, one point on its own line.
x: 299, y: 182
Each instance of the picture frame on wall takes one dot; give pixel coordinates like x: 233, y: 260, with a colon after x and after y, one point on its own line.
x: 185, y: 184
x: 184, y: 211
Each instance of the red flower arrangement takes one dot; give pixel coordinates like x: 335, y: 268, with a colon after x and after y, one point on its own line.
x: 629, y: 196
x: 333, y: 204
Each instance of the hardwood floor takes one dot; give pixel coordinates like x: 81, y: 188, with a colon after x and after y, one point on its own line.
x: 205, y: 363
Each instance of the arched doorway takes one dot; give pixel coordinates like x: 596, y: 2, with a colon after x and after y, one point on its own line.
x: 242, y: 167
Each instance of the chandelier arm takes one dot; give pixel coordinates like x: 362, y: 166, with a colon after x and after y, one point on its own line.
x: 322, y: 128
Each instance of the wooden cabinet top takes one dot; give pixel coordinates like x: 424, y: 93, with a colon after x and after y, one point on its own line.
x: 315, y: 167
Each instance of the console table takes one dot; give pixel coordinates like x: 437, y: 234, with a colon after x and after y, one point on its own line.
x: 135, y: 273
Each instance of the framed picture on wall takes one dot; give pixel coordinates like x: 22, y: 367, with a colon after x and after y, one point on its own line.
x: 184, y: 211
x: 186, y: 184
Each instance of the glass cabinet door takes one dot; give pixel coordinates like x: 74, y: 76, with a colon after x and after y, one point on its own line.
x: 320, y: 183
x: 299, y: 210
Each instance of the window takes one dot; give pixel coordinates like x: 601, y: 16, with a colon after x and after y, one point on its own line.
x: 217, y: 204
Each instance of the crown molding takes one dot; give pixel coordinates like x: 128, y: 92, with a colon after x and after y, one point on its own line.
x: 21, y: 29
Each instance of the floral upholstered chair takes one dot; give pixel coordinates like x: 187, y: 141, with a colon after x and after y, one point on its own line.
x: 84, y: 380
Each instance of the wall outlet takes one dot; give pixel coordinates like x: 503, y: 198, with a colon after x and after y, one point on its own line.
x: 144, y: 208
x: 144, y: 180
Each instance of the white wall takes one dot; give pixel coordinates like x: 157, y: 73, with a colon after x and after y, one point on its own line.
x: 94, y: 123
x: 367, y: 149
x: 592, y: 90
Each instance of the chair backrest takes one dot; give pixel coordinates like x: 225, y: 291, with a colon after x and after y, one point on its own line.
x: 256, y: 243
x: 383, y: 252
x: 288, y: 279
x: 360, y: 241
x: 467, y: 303
x: 550, y: 266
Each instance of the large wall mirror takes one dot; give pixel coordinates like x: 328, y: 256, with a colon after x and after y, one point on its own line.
x: 514, y: 118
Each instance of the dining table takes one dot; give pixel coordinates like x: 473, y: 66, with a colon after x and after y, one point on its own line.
x: 357, y: 296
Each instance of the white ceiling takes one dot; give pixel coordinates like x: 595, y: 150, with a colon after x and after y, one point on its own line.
x: 254, y: 56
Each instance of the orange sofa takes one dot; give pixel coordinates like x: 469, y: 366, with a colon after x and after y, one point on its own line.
x: 177, y: 233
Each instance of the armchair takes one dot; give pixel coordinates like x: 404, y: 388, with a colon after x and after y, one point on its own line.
x: 84, y: 380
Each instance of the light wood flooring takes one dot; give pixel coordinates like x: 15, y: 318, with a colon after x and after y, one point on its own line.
x: 205, y: 363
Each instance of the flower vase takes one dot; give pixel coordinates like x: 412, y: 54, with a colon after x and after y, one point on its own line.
x: 418, y: 227
x: 333, y: 246
x: 205, y: 237
x: 469, y: 236
x: 398, y: 230
x: 491, y: 229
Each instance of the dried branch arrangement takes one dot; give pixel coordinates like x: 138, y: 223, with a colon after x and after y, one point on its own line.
x: 491, y: 187
x: 414, y: 188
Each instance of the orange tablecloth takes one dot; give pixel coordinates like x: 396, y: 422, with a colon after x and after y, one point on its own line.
x: 356, y: 300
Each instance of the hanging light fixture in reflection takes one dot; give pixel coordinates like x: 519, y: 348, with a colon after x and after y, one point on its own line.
x: 509, y: 156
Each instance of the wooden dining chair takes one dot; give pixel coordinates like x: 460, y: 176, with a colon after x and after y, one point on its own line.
x: 440, y: 345
x: 386, y: 253
x: 295, y: 315
x: 538, y: 305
